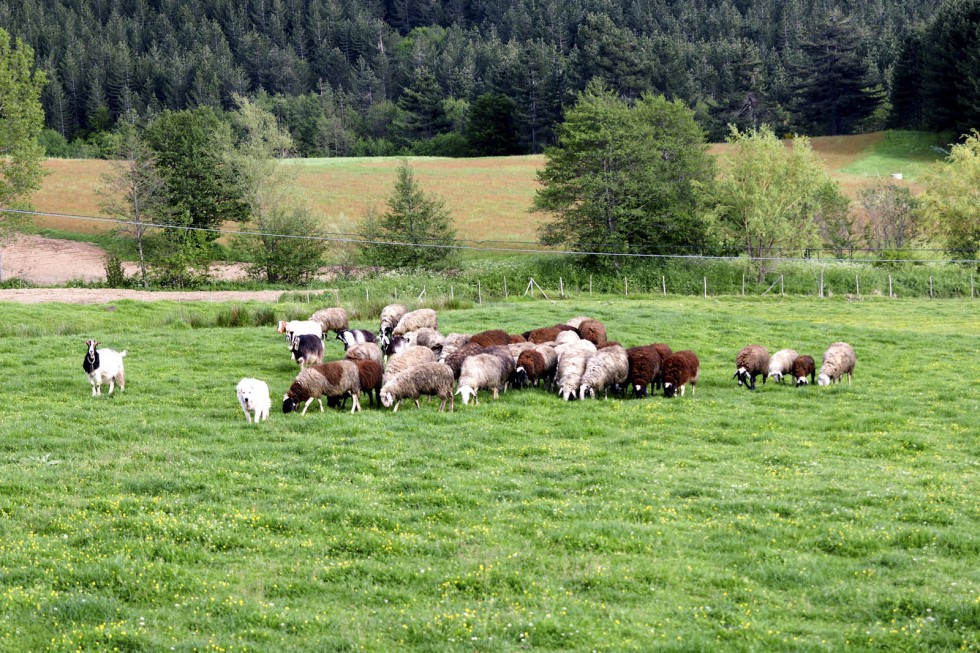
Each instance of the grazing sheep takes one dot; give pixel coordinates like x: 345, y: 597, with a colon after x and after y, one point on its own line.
x: 253, y: 395
x: 608, y: 367
x: 751, y: 361
x: 455, y: 359
x: 567, y: 337
x: 369, y: 375
x: 390, y: 315
x: 396, y: 345
x: 516, y: 348
x: 572, y: 361
x: 491, y: 338
x: 483, y: 372
x: 507, y: 357
x: 331, y: 379
x: 406, y: 359
x: 351, y: 337
x: 415, y: 320
x: 307, y: 349
x: 544, y: 334
x: 680, y: 368
x: 299, y: 327
x: 432, y: 379
x: 366, y: 351
x: 665, y: 352
x: 804, y: 366
x: 838, y: 360
x: 536, y: 364
x: 593, y: 331
x: 781, y: 364
x: 575, y: 322
x: 516, y: 339
x: 331, y: 319
x: 104, y: 366
x: 608, y: 343
x: 644, y: 368
x: 451, y: 343
x: 425, y: 337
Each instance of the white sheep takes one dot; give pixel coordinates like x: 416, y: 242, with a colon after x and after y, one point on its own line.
x: 406, y: 359
x: 607, y: 367
x: 572, y: 361
x: 423, y: 317
x: 781, y: 364
x: 483, y: 372
x: 432, y: 379
x: 331, y: 319
x: 104, y: 366
x: 253, y: 395
x: 838, y: 360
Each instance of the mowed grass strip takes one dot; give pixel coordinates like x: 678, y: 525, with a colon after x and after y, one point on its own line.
x: 785, y: 519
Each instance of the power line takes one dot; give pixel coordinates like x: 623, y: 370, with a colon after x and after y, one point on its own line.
x: 356, y: 240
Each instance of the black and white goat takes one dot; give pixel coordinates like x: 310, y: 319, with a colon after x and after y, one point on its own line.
x: 351, y: 337
x: 105, y: 366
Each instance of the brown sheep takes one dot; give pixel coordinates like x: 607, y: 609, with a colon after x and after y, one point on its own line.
x: 545, y: 334
x: 679, y: 369
x: 644, y: 367
x: 491, y: 338
x: 455, y: 359
x: 331, y: 379
x: 751, y: 361
x: 665, y: 352
x: 369, y: 375
x: 593, y: 331
x: 804, y: 366
x: 536, y: 364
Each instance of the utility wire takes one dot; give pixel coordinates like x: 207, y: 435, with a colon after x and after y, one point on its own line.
x: 351, y: 239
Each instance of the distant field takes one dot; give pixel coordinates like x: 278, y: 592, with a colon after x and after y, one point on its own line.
x: 488, y: 198
x: 816, y: 519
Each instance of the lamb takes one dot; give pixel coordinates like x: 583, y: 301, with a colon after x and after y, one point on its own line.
x: 608, y: 367
x: 432, y: 379
x: 536, y: 364
x: 406, y: 359
x: 593, y: 331
x: 307, y: 349
x: 253, y: 395
x: 751, y: 361
x: 483, y: 372
x: 415, y: 320
x: 104, y: 366
x: 838, y: 360
x: 644, y: 368
x: 367, y: 351
x: 369, y: 375
x: 331, y: 319
x: 299, y: 327
x: 678, y: 370
x: 491, y: 338
x: 572, y: 361
x: 803, y: 366
x: 781, y: 364
x: 455, y: 359
x: 351, y: 337
x: 390, y: 315
x: 331, y: 379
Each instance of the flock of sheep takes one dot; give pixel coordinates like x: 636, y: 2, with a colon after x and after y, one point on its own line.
x: 408, y: 358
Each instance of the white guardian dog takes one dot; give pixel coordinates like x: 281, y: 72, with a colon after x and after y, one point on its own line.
x: 253, y: 395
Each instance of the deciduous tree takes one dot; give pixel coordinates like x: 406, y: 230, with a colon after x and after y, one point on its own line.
x: 952, y: 199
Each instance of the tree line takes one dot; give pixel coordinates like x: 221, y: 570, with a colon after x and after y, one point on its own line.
x: 472, y: 77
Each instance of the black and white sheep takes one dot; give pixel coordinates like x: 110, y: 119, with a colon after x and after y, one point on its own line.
x: 433, y: 379
x: 299, y: 328
x: 415, y: 320
x: 408, y: 358
x: 331, y: 319
x: 644, y: 368
x: 838, y: 360
x: 351, y: 337
x: 572, y: 361
x: 751, y: 361
x: 307, y: 349
x: 803, y: 367
x: 104, y: 366
x: 487, y: 371
x: 680, y: 368
x: 781, y: 364
x: 607, y: 368
x: 366, y: 351
x: 333, y: 379
x: 396, y: 345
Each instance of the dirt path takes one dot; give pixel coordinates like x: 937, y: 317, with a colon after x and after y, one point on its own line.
x: 50, y: 261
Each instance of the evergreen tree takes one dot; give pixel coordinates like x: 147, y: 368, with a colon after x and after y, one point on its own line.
x: 492, y: 129
x: 831, y: 94
x: 906, y: 85
x: 951, y: 67
x: 415, y: 232
x: 422, y: 114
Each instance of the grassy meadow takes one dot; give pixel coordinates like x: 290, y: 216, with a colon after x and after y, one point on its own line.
x: 816, y: 519
x: 488, y: 198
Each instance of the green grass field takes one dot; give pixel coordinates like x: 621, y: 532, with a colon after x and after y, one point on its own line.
x: 819, y: 519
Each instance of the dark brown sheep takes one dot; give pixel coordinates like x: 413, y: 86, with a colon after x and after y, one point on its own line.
x: 369, y: 374
x: 679, y: 369
x: 665, y: 352
x: 608, y: 343
x: 644, y: 367
x: 546, y: 334
x: 534, y: 365
x: 751, y: 361
x: 593, y: 331
x: 455, y: 359
x: 491, y: 338
x: 804, y: 366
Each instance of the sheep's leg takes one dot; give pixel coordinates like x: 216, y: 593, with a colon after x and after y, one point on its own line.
x: 307, y: 405
x: 452, y: 401
x: 694, y: 388
x: 397, y: 404
x: 496, y: 393
x: 357, y: 403
x: 682, y: 389
x: 417, y: 404
x: 321, y: 403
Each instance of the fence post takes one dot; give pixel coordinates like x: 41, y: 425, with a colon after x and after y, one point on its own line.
x: 367, y: 294
x: 743, y: 284
x: 706, y: 287
x: 505, y: 287
x: 479, y: 291
x: 930, y: 287
x: 890, y: 286
x: 626, y: 283
x: 590, y: 285
x: 857, y: 285
x: 452, y: 294
x: 821, y: 283
x: 663, y: 280
x: 971, y: 285
x: 561, y: 287
x: 781, y: 292
x: 396, y: 292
